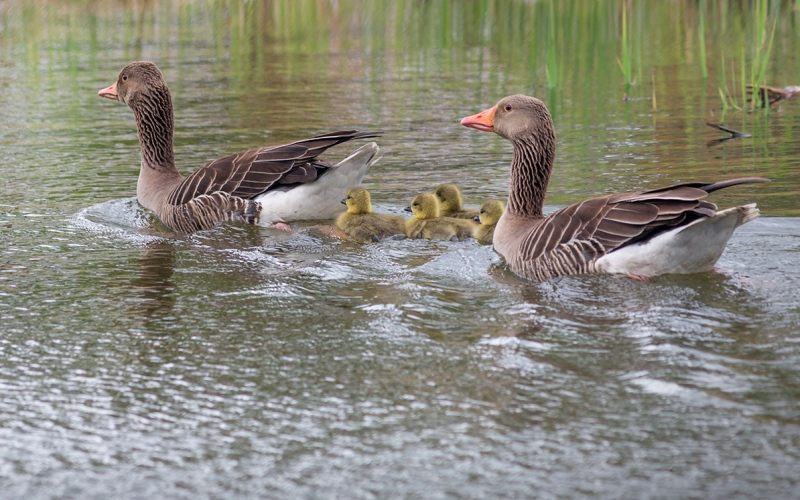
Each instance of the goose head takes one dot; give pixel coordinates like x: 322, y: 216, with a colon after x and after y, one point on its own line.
x: 358, y: 201
x: 137, y: 79
x: 515, y: 118
x: 425, y: 206
x: 449, y: 197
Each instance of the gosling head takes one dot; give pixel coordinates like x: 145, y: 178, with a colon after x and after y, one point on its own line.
x: 449, y: 197
x: 425, y: 206
x: 490, y: 212
x: 358, y: 201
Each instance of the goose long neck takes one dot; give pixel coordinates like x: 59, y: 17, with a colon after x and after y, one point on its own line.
x: 530, y: 172
x: 155, y: 124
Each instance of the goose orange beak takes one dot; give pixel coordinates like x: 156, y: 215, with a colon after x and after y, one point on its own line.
x: 482, y: 121
x: 110, y: 92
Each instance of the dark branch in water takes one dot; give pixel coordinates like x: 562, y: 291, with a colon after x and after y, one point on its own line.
x: 734, y: 133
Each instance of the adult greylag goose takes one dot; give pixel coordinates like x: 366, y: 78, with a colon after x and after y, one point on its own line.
x: 667, y: 230
x: 451, y: 202
x: 361, y: 224
x: 489, y: 214
x: 265, y: 185
x: 427, y: 222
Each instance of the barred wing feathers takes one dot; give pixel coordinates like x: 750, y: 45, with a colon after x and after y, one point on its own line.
x: 250, y: 173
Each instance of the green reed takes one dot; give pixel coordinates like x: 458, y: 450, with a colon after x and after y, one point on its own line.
x: 552, y: 60
x: 624, y: 60
x: 702, y: 34
x: 755, y: 50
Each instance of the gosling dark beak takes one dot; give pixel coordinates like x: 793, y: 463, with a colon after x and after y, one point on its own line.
x: 477, y: 219
x: 344, y: 202
x: 407, y: 209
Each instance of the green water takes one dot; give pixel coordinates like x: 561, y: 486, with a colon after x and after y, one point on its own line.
x: 245, y: 362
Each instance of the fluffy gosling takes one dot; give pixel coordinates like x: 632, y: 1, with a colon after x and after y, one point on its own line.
x: 360, y: 224
x: 489, y: 213
x: 428, y: 224
x: 452, y: 204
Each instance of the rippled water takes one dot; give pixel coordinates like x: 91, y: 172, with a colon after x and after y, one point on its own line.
x: 246, y: 362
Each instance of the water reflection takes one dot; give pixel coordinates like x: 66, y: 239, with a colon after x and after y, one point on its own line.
x: 153, y: 285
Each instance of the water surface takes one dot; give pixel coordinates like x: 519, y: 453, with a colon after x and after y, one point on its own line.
x: 245, y: 362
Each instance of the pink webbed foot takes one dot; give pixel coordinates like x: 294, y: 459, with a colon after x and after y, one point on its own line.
x: 282, y: 226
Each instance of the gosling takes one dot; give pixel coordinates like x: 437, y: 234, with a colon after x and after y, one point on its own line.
x: 452, y: 204
x: 428, y: 224
x: 360, y: 224
x: 490, y: 212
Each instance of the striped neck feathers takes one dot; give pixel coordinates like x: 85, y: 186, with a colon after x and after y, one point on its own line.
x: 530, y: 172
x: 155, y: 124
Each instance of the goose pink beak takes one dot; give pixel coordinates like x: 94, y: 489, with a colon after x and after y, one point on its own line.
x: 110, y: 92
x: 482, y: 121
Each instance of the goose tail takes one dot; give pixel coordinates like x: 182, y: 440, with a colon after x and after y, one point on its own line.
x: 746, y: 213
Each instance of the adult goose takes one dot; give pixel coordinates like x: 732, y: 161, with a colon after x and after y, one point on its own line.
x: 266, y: 185
x: 667, y: 230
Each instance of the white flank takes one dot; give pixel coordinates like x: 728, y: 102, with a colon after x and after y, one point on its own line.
x: 321, y: 199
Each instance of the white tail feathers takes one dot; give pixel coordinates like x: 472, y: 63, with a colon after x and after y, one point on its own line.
x: 747, y: 213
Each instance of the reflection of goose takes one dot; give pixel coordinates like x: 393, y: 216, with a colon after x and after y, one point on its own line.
x: 359, y: 223
x: 263, y: 185
x: 154, y: 284
x: 489, y: 213
x: 668, y: 230
x: 452, y: 204
x: 427, y: 223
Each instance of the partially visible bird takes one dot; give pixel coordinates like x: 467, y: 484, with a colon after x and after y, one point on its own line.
x: 490, y: 212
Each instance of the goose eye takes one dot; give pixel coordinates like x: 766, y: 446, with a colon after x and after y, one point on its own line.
x: 508, y: 107
x: 124, y: 78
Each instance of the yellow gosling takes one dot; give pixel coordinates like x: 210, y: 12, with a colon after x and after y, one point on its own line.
x: 452, y: 204
x: 360, y: 224
x: 490, y: 213
x: 427, y: 223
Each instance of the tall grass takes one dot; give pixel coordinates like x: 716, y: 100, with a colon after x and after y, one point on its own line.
x: 762, y: 49
x: 552, y: 60
x: 702, y: 34
x: 624, y: 61
x: 754, y: 56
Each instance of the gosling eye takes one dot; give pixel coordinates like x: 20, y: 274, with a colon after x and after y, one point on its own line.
x: 508, y: 107
x: 124, y: 77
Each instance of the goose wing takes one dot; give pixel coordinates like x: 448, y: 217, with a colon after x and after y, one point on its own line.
x: 578, y: 234
x: 252, y: 172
